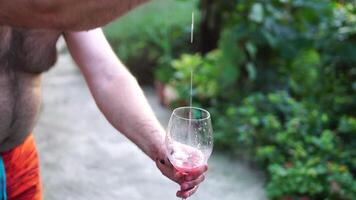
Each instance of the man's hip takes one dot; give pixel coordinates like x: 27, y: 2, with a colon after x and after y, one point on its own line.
x: 21, y: 170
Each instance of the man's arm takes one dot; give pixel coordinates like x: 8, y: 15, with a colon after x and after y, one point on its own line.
x: 116, y: 91
x: 123, y: 103
x: 63, y: 14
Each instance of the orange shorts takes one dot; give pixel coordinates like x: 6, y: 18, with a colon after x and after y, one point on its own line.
x: 22, y: 172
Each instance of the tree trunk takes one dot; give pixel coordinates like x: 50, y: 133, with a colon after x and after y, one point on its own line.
x: 210, y: 25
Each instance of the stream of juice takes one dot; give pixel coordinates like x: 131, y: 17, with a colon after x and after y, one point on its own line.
x: 191, y: 84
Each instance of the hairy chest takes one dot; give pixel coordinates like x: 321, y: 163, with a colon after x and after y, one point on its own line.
x: 27, y: 50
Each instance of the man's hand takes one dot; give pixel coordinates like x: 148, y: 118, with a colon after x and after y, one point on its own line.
x: 189, y: 182
x: 63, y: 15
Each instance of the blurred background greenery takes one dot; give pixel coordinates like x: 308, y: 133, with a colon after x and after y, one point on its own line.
x: 278, y: 76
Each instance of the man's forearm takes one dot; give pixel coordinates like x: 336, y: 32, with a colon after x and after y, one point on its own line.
x: 63, y: 14
x: 123, y: 103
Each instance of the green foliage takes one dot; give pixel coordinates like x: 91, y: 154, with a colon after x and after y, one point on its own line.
x: 302, y: 155
x: 152, y: 35
x: 281, y: 88
x: 206, y: 76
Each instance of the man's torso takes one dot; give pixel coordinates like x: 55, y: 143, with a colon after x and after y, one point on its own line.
x: 24, y: 55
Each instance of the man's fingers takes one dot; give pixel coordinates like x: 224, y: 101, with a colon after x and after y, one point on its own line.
x: 194, y: 174
x: 186, y: 194
x: 191, y: 184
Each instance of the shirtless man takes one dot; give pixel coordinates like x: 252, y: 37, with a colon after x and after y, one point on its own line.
x: 29, y: 30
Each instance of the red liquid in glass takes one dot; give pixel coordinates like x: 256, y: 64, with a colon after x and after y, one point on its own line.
x: 186, y: 159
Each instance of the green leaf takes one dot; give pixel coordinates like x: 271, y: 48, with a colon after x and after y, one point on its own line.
x: 256, y: 13
x: 251, y: 70
x: 251, y: 49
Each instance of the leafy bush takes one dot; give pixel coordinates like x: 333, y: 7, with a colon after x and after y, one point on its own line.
x: 303, y: 156
x: 281, y: 88
x: 206, y: 76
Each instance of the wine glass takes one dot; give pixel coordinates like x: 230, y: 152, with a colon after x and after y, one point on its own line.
x: 189, y: 139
